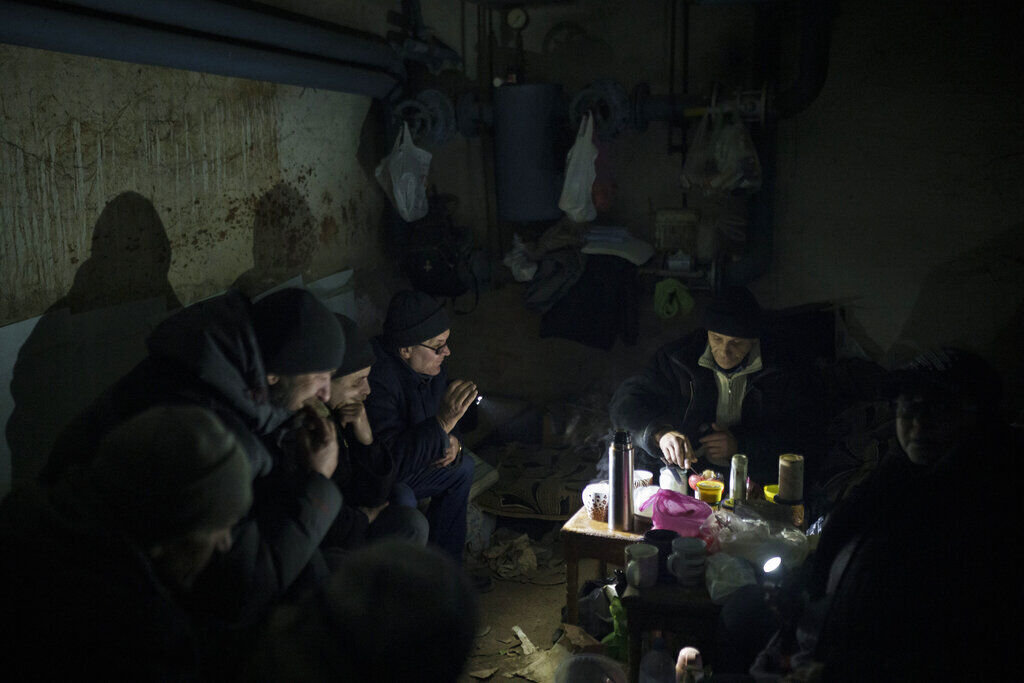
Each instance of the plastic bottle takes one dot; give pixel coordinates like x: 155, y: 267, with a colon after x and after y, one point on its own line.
x: 657, y: 665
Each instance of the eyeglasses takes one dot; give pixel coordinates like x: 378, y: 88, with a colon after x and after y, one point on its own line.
x: 438, y: 350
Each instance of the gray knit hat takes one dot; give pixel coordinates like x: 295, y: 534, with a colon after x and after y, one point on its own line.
x: 297, y: 334
x: 172, y: 470
x: 734, y: 312
x: 358, y: 352
x: 413, y: 317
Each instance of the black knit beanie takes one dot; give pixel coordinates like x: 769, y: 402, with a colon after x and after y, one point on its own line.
x: 358, y: 352
x: 734, y: 312
x: 173, y: 470
x: 297, y: 334
x: 413, y: 317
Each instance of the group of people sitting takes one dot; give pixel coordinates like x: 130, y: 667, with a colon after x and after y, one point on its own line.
x: 245, y: 504
x: 909, y: 578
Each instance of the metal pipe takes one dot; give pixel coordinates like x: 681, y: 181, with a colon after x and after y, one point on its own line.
x: 59, y: 30
x: 280, y: 30
x: 815, y: 41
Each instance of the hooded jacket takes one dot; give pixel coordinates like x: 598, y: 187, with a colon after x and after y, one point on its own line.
x: 80, y: 599
x: 674, y: 391
x: 208, y: 355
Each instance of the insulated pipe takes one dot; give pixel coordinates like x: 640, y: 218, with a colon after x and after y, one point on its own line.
x: 815, y: 41
x: 814, y: 54
x: 61, y: 30
x: 275, y: 30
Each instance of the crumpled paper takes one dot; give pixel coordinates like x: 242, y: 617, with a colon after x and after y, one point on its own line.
x: 542, y: 665
x: 511, y: 557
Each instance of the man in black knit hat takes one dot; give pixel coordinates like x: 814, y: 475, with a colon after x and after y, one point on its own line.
x: 714, y: 393
x: 414, y: 409
x: 253, y: 365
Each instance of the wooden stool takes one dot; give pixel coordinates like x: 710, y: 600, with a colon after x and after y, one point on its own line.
x: 584, y: 537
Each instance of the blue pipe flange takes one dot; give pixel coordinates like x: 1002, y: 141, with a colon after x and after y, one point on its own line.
x: 609, y: 102
x: 441, y: 113
x: 416, y: 114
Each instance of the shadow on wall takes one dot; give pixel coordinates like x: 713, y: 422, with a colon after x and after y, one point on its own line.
x: 975, y: 301
x: 284, y: 239
x: 95, y: 333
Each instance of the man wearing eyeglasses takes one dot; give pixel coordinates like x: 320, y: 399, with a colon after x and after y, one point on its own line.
x: 414, y: 409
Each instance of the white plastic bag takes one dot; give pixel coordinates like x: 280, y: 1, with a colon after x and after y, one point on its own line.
x: 519, y: 262
x: 403, y: 175
x: 722, y: 157
x: 724, y: 574
x: 576, y: 199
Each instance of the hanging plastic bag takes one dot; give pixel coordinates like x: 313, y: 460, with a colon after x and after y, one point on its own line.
x: 580, y: 172
x: 403, y: 175
x: 722, y: 158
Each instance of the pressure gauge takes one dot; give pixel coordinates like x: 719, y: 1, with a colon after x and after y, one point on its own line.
x: 517, y: 18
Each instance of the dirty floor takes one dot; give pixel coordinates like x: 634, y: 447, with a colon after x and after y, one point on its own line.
x: 532, y: 604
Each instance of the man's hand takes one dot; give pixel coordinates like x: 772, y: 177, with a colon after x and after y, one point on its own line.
x: 676, y: 448
x: 317, y: 442
x: 355, y: 414
x: 457, y: 398
x: 371, y: 513
x: 450, y: 453
x: 720, y: 445
x: 688, y: 665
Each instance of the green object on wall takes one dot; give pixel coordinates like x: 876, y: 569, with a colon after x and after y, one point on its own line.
x: 672, y: 297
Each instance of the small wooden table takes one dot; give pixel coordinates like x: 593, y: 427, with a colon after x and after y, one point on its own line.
x: 584, y: 537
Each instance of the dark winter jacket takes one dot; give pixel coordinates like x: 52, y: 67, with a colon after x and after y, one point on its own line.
x: 402, y: 408
x: 207, y: 355
x: 365, y: 475
x: 779, y: 410
x: 80, y: 600
x: 908, y: 570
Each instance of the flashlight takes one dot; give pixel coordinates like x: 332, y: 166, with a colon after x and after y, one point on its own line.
x: 478, y: 399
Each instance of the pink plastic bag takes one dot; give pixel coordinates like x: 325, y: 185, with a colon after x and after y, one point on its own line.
x: 680, y: 513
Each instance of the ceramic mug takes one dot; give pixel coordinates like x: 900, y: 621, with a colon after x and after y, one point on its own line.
x: 686, y: 562
x: 641, y: 565
x: 662, y: 538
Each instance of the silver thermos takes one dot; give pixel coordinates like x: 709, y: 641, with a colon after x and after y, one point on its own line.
x: 620, y: 482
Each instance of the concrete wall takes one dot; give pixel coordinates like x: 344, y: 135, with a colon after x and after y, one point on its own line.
x: 203, y: 152
x: 128, y: 190
x: 899, y: 187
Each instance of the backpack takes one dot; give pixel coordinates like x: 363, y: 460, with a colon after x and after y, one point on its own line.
x: 435, y: 255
